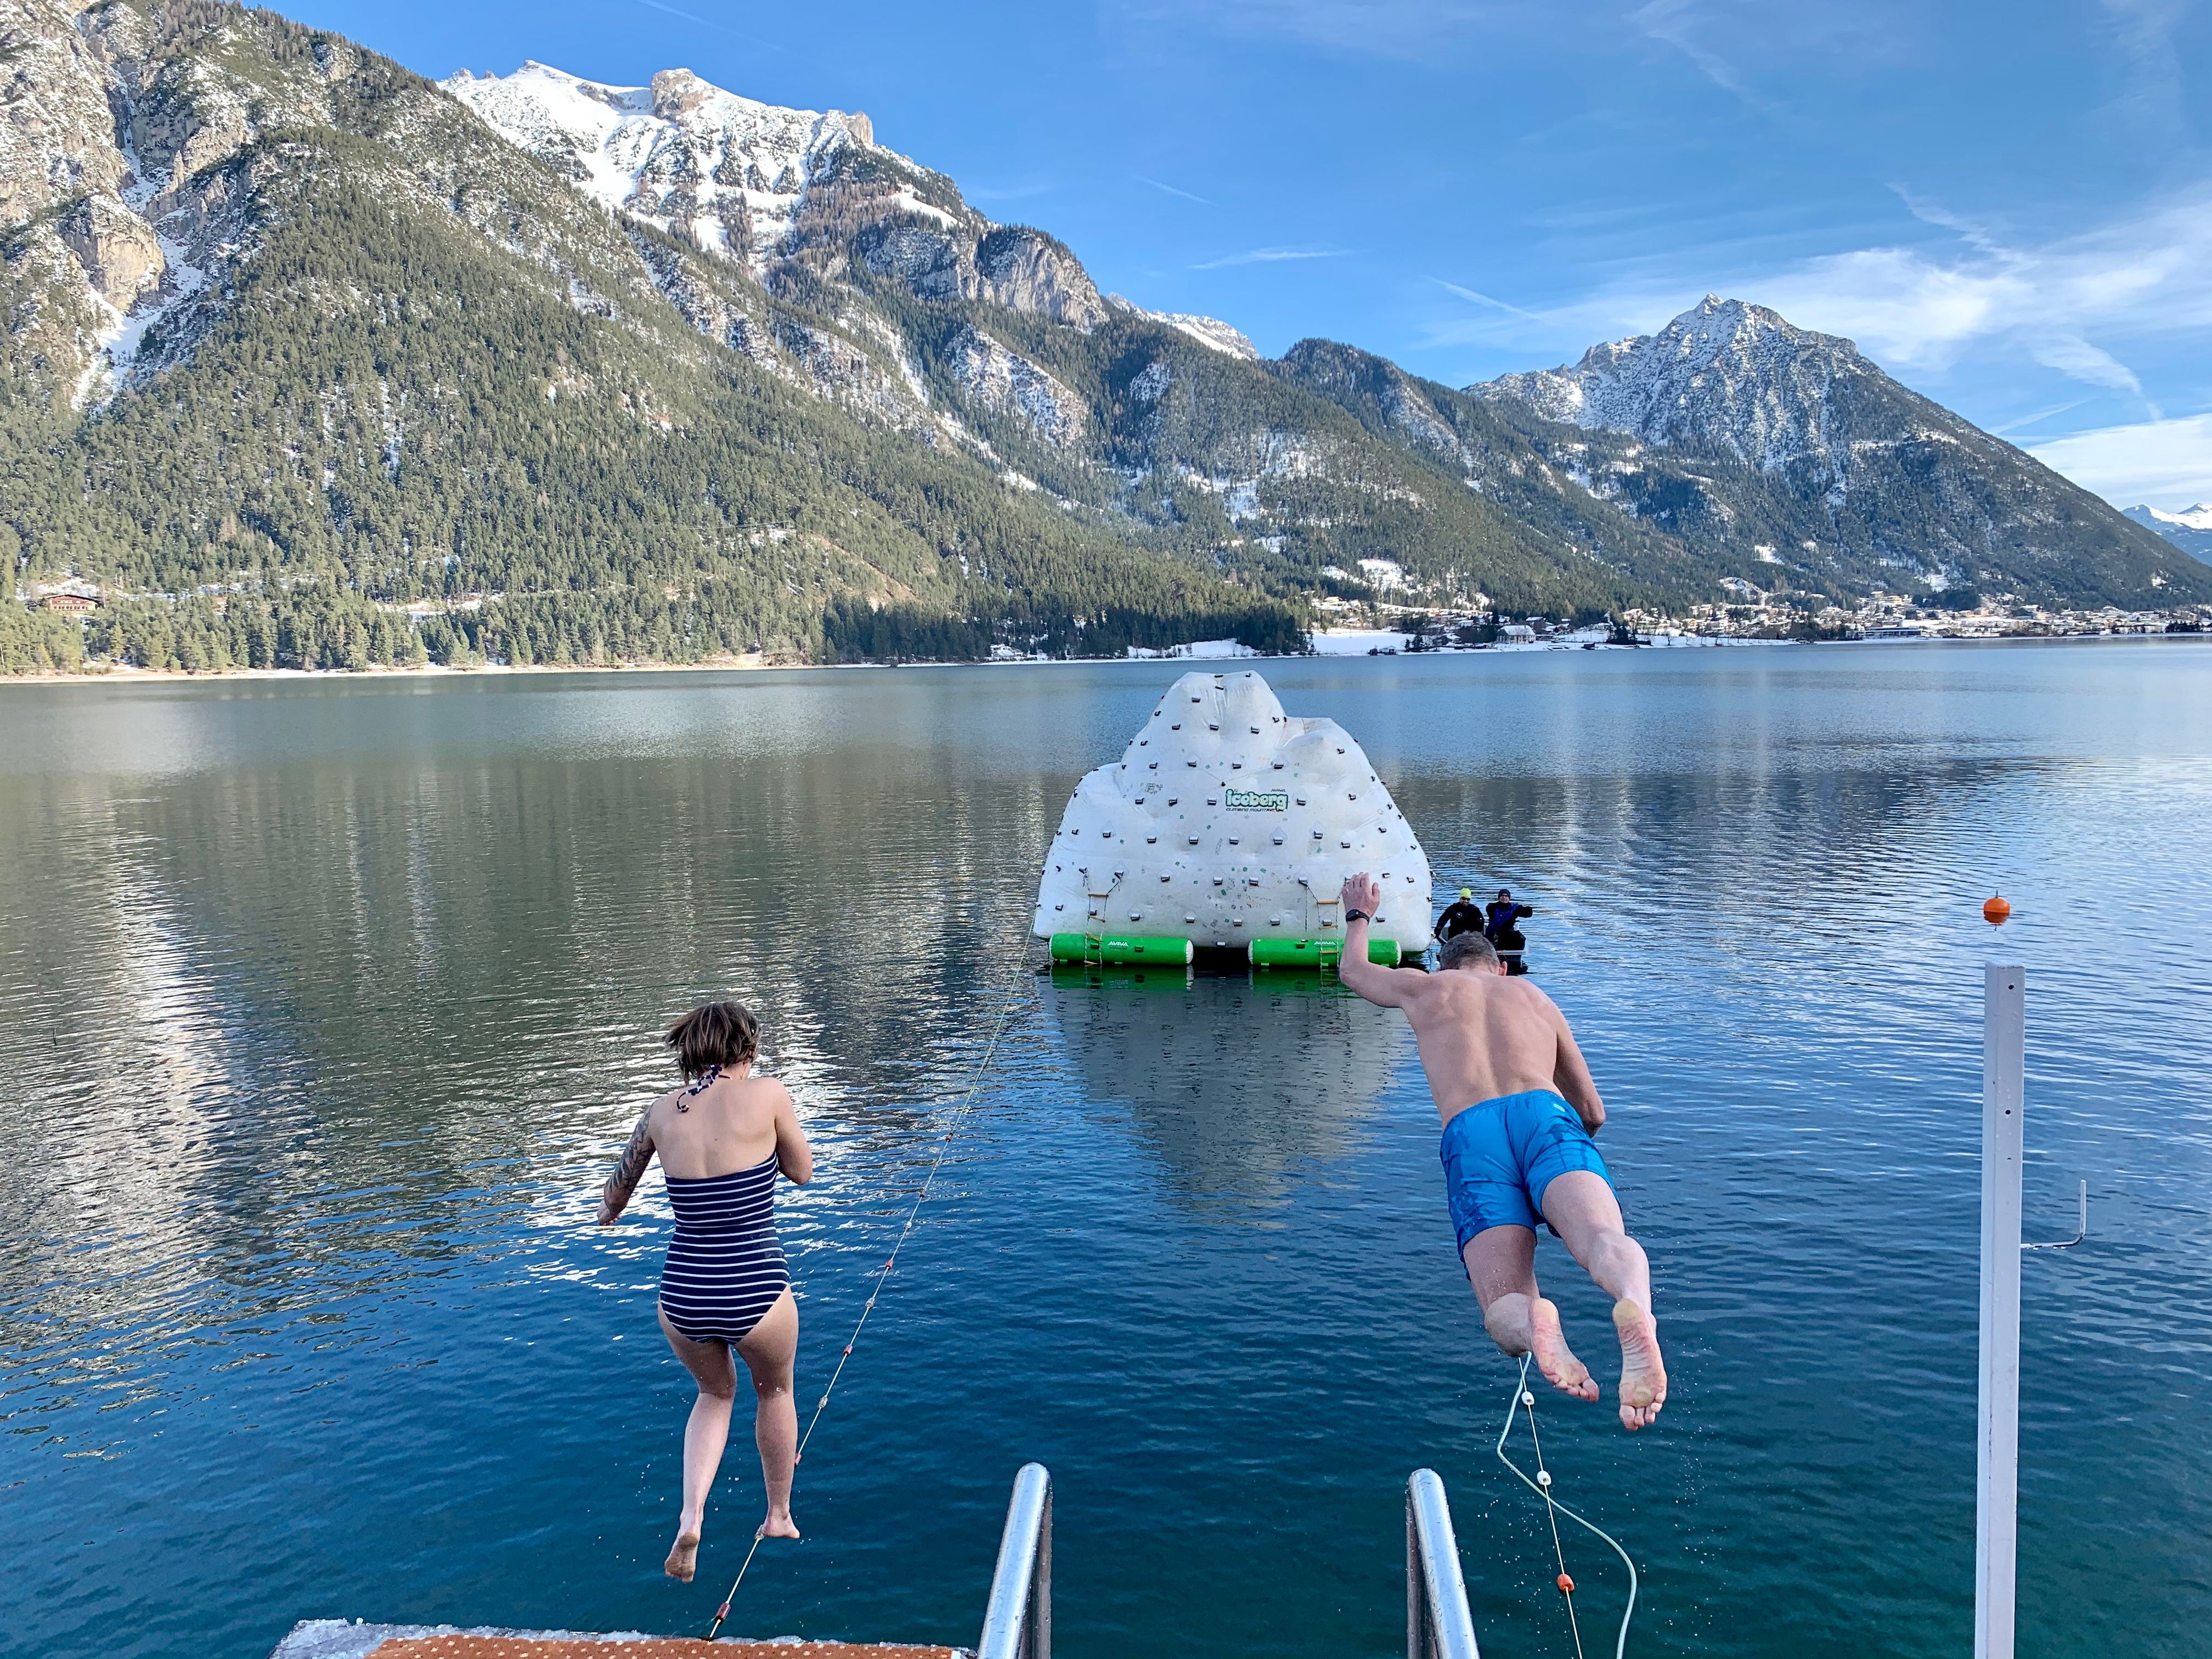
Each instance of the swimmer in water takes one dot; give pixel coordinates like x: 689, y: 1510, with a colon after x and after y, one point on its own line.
x: 723, y: 1138
x: 1519, y: 1109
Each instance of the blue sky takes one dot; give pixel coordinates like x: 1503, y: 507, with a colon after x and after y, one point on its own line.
x: 2007, y: 205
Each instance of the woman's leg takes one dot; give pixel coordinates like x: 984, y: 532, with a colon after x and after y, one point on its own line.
x: 704, y: 1436
x: 767, y: 1351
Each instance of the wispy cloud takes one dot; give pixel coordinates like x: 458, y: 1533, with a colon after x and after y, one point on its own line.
x: 1931, y: 211
x: 1262, y: 256
x: 2035, y: 419
x: 2165, y: 464
x: 2070, y: 355
x: 693, y: 17
x: 1378, y: 28
x: 2153, y: 100
x: 1482, y: 299
x: 1758, y: 35
x: 1171, y: 190
x: 1674, y: 22
x: 2080, y: 304
x: 1008, y: 193
x: 2137, y: 278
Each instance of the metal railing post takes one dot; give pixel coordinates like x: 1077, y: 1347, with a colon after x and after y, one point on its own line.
x: 1998, y: 1443
x: 1018, y: 1621
x: 1040, y: 1584
x: 1417, y: 1602
x: 1437, y: 1623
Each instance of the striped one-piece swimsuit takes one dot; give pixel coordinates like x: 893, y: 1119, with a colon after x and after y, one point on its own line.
x: 725, y: 1268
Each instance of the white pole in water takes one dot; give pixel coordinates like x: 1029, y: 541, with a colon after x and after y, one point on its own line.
x: 2004, y: 1035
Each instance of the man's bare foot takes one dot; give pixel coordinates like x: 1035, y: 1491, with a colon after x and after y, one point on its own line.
x: 779, y: 1526
x: 683, y: 1557
x: 1643, y: 1376
x: 1553, y: 1357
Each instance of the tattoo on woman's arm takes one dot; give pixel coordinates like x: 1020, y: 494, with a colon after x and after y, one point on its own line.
x: 630, y: 1170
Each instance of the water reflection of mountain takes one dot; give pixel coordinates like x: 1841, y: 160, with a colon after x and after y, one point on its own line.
x: 360, y: 1009
x: 1232, y: 1082
x: 347, y: 963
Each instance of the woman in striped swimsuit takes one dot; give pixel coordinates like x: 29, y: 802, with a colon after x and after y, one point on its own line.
x: 722, y: 1138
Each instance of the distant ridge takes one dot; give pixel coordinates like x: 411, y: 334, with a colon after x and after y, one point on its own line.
x: 309, y: 361
x: 2190, y: 530
x: 1866, y: 475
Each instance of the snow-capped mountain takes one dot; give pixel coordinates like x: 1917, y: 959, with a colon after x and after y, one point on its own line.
x: 1724, y: 375
x: 868, y: 420
x: 1207, y: 330
x: 726, y: 174
x: 2190, y: 530
x: 778, y: 190
x: 734, y: 176
x: 1855, y: 470
x: 1835, y: 477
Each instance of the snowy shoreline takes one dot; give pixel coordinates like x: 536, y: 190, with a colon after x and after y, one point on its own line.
x: 125, y: 675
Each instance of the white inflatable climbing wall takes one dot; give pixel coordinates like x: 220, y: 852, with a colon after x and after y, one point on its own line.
x: 1227, y: 820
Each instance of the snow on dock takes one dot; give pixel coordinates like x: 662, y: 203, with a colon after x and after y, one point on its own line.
x: 340, y: 1638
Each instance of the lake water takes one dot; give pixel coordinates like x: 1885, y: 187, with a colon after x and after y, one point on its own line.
x: 326, y: 1007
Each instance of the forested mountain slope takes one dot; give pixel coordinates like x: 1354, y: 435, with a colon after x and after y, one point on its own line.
x: 308, y: 361
x: 377, y: 356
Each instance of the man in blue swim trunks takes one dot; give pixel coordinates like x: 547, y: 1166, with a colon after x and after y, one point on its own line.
x: 1519, y: 1109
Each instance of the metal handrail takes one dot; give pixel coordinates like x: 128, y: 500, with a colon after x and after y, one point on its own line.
x: 1017, y: 1623
x: 1437, y: 1623
x: 2081, y: 1232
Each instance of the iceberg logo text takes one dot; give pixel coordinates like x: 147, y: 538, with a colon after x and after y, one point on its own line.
x: 1256, y: 800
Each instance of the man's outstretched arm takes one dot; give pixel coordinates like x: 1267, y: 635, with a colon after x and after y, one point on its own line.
x: 1572, y: 1075
x: 1388, y: 987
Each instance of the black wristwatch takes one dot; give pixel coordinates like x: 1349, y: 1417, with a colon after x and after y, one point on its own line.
x: 1350, y: 916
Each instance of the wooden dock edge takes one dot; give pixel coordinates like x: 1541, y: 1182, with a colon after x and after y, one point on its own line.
x: 346, y: 1638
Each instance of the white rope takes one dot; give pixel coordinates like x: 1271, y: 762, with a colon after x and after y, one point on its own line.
x: 1523, y: 1400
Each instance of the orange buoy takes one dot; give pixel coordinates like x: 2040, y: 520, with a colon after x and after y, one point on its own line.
x: 1995, y: 910
x: 1566, y: 1585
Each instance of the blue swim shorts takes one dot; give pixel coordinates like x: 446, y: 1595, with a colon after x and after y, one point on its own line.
x: 1500, y: 1155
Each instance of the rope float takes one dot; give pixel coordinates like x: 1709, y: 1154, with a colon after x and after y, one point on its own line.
x: 945, y: 1144
x: 1523, y: 1400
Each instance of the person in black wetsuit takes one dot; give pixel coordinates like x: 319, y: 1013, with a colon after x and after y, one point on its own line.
x: 1461, y: 917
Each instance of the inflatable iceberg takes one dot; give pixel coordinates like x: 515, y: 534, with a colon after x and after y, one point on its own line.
x: 1226, y: 823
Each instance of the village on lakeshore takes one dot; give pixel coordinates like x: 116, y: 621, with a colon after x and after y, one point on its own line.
x: 1375, y: 626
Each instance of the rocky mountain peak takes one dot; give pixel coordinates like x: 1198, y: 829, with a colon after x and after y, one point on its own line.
x: 1211, y: 332
x: 761, y: 186
x: 2190, y: 530
x: 159, y: 238
x: 677, y: 92
x: 1724, y: 374
x: 728, y: 174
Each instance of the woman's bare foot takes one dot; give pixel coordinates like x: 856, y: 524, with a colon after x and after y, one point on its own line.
x: 1553, y: 1357
x: 683, y: 1557
x: 1643, y: 1376
x: 779, y: 1526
